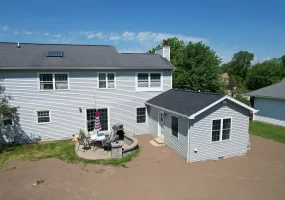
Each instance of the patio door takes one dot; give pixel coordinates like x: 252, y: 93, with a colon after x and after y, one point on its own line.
x: 90, y: 119
x: 160, y: 124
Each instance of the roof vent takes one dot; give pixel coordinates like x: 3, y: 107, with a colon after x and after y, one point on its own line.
x: 55, y: 54
x: 18, y: 46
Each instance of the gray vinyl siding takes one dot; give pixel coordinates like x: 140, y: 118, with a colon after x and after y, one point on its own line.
x: 64, y: 105
x: 153, y: 121
x: 179, y: 144
x: 271, y: 111
x: 201, y: 133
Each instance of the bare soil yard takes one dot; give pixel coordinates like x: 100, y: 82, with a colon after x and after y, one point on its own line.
x: 158, y: 173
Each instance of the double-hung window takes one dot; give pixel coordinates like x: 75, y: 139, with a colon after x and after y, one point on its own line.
x: 149, y: 81
x: 53, y: 81
x: 221, y: 129
x: 141, y: 115
x: 107, y: 80
x: 43, y: 117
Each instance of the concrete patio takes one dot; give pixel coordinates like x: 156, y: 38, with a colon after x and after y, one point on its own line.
x: 98, y: 153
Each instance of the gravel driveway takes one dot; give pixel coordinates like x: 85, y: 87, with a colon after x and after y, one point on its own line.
x: 158, y: 173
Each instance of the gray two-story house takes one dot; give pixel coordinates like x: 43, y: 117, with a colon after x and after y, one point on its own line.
x: 58, y: 88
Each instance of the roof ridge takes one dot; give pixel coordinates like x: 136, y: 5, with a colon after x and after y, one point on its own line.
x: 142, y: 53
x: 56, y: 44
x: 211, y: 93
x: 282, y: 82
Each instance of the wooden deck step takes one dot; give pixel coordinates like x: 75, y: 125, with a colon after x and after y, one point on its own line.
x: 158, y: 140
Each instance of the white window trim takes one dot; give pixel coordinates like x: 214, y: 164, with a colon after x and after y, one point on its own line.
x: 53, y: 80
x: 38, y: 119
x: 6, y: 119
x: 171, y: 126
x: 109, y: 118
x: 106, y: 74
x: 141, y: 89
x: 145, y: 114
x: 221, y: 130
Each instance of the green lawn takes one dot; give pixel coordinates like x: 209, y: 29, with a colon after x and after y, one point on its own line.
x: 63, y: 150
x: 271, y: 132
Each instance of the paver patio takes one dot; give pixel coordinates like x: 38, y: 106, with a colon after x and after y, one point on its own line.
x: 97, y: 153
x: 158, y: 173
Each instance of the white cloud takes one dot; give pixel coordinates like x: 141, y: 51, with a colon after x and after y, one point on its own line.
x: 158, y: 37
x: 152, y: 37
x: 115, y: 37
x: 92, y: 34
x: 56, y: 36
x: 4, y: 28
x: 46, y: 34
x: 63, y: 39
x: 27, y: 32
x: 97, y: 35
x: 128, y: 35
x: 259, y: 60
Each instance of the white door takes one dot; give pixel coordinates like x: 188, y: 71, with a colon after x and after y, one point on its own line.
x: 160, y: 124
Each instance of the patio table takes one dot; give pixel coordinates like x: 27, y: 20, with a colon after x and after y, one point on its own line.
x: 97, y: 138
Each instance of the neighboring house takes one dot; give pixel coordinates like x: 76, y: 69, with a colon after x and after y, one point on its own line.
x: 225, y: 77
x: 270, y: 101
x: 200, y: 126
x: 58, y: 88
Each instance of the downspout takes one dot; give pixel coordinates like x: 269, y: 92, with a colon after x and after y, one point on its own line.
x: 188, y: 145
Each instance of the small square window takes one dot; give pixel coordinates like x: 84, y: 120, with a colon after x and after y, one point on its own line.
x: 43, y: 117
x: 7, y: 122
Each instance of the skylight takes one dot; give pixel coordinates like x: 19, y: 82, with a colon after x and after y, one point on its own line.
x: 55, y: 54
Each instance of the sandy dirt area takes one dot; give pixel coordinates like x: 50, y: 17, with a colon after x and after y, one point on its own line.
x: 158, y: 173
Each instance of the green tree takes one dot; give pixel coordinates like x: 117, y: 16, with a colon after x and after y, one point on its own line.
x: 224, y: 68
x: 197, y: 66
x: 200, y: 69
x: 240, y: 64
x: 236, y: 86
x: 6, y: 110
x: 265, y: 74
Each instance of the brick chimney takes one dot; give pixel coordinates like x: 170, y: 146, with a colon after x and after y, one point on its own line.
x: 164, y: 51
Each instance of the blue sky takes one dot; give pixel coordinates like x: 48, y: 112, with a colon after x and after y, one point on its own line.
x: 227, y: 26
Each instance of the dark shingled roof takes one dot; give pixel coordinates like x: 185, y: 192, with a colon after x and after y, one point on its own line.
x: 33, y: 56
x: 184, y: 101
x: 273, y: 91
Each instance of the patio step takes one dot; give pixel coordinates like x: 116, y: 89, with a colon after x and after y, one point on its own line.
x: 158, y: 140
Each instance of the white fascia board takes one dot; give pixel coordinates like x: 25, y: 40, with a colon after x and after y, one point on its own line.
x: 220, y: 100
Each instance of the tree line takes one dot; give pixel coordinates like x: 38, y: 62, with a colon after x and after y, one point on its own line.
x: 198, y: 67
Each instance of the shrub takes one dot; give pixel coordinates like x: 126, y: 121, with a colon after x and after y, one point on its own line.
x: 81, y: 133
x: 243, y: 100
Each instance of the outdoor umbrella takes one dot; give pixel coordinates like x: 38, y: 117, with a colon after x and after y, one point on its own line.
x: 97, y: 126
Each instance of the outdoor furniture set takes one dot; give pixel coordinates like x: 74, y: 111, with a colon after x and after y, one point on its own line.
x: 102, y: 140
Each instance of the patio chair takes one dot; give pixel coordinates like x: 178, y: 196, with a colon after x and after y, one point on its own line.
x: 83, y: 142
x: 107, y: 142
